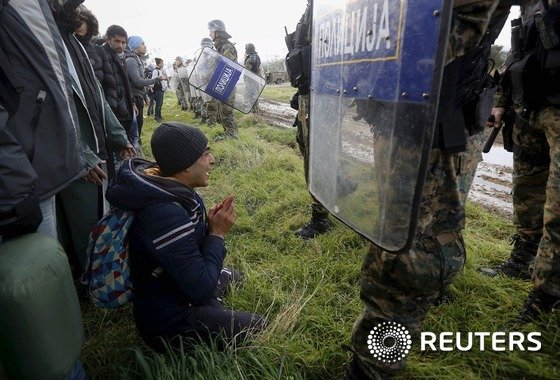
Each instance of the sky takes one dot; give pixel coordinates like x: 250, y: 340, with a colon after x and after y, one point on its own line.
x: 173, y: 28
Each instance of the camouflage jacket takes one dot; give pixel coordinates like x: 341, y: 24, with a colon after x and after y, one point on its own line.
x: 225, y: 47
x: 470, y: 22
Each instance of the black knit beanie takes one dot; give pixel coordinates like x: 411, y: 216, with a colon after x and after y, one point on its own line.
x: 177, y: 146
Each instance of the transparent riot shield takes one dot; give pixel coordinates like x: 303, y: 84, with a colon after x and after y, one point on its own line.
x: 226, y: 81
x: 376, y: 74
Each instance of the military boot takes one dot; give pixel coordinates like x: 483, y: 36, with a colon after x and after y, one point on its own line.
x: 319, y: 224
x: 354, y: 371
x: 537, y: 303
x: 518, y: 265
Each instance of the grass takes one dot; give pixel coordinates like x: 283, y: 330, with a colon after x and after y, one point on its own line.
x: 309, y: 290
x: 279, y: 92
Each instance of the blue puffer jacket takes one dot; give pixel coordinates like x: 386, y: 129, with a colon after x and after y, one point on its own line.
x: 169, y: 232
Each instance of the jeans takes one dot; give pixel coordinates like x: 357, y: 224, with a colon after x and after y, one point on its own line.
x: 158, y: 98
x: 48, y: 225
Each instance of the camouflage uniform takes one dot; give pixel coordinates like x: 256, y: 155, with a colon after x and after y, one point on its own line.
x: 318, y: 211
x: 536, y: 178
x: 253, y: 63
x: 224, y: 112
x: 403, y: 287
x: 180, y: 92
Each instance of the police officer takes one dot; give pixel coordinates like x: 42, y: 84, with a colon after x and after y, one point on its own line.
x: 226, y: 48
x: 252, y: 62
x: 532, y: 89
x: 401, y: 288
x: 200, y: 100
x: 301, y: 39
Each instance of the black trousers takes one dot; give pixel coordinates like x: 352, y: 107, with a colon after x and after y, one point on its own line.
x: 139, y: 101
x: 211, y: 321
x: 158, y: 98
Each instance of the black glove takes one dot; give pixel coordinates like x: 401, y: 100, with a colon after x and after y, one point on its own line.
x: 66, y: 16
x: 28, y: 217
x: 294, y: 101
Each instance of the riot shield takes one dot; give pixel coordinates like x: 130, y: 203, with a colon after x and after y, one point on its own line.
x: 183, y: 76
x: 376, y: 74
x: 226, y: 81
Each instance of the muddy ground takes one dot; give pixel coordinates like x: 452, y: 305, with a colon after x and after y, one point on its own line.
x: 491, y: 186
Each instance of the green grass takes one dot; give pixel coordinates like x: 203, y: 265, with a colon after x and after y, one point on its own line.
x: 279, y: 92
x: 309, y: 290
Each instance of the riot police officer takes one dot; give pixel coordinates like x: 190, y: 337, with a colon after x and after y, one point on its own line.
x: 400, y: 288
x: 531, y: 87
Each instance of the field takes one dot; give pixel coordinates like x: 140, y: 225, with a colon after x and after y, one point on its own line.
x: 309, y: 290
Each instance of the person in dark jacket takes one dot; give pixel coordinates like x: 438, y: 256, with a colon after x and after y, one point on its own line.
x: 80, y: 205
x: 88, y: 29
x: 39, y: 142
x: 176, y: 247
x: 122, y: 103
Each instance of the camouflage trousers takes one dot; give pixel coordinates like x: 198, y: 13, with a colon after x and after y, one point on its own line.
x: 402, y: 287
x: 181, y: 96
x: 546, y: 267
x: 530, y: 173
x: 211, y: 109
x: 227, y: 119
x: 302, y: 137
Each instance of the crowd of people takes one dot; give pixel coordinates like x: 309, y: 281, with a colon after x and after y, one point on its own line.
x: 71, y: 117
x: 72, y: 111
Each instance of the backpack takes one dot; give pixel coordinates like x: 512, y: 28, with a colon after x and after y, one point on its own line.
x: 147, y: 73
x: 107, y: 270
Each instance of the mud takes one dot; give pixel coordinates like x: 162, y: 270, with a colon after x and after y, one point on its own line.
x: 491, y: 186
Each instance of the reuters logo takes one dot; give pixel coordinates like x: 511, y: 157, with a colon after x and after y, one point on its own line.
x: 389, y: 342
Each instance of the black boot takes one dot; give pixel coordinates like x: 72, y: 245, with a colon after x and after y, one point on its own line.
x: 354, y: 371
x: 317, y: 226
x: 519, y: 262
x: 537, y: 303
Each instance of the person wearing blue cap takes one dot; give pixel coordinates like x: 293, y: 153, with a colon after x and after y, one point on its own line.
x: 135, y: 68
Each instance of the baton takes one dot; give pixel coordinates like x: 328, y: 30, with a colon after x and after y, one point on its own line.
x: 490, y: 141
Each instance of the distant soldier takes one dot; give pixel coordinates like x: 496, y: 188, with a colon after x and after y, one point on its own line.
x: 223, y: 45
x: 202, y: 100
x: 253, y: 63
x: 180, y: 72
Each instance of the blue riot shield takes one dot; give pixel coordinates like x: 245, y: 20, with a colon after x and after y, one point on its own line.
x: 225, y: 80
x: 375, y: 79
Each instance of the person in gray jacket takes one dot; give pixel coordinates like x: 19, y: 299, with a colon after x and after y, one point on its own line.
x: 135, y: 68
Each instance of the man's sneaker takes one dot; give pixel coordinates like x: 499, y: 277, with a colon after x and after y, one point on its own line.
x: 313, y: 228
x: 518, y: 265
x: 228, y: 277
x: 537, y: 303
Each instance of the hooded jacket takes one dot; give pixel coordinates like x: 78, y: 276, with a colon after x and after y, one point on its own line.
x: 135, y: 69
x: 174, y: 262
